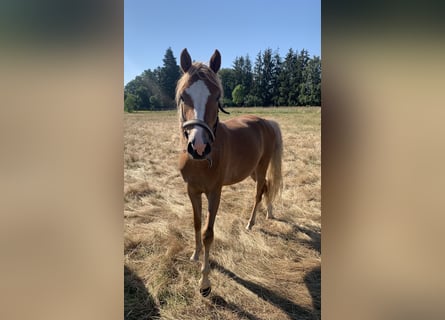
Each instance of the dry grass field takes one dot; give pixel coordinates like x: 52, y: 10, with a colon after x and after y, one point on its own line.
x: 270, y: 272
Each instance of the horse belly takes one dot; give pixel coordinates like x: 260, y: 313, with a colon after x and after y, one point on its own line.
x: 242, y: 166
x: 234, y: 179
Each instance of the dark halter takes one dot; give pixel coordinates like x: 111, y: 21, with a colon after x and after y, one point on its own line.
x: 204, y: 125
x: 221, y: 108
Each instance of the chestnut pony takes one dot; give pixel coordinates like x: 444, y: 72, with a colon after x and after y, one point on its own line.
x: 221, y: 153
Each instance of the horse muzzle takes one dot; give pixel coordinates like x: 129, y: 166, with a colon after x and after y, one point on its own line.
x: 199, y: 148
x: 198, y: 152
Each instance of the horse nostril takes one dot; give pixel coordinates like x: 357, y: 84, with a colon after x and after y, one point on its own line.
x: 194, y: 152
x: 190, y: 148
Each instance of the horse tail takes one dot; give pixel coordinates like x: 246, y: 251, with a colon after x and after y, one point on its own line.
x: 273, y: 176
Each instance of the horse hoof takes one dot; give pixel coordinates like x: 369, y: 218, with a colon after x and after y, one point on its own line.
x: 205, y: 292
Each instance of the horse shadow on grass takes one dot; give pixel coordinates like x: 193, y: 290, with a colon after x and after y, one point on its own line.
x: 293, y: 310
x: 315, y: 236
x: 220, y: 302
x: 313, y: 283
x: 138, y: 302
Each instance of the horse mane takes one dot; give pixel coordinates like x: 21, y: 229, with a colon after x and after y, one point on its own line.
x: 203, y: 72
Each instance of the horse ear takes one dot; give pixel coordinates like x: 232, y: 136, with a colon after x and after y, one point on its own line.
x: 186, y: 60
x: 215, y: 61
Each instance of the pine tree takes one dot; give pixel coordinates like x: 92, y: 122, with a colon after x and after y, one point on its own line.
x: 295, y: 80
x: 312, y: 81
x: 303, y: 83
x: 257, y: 85
x: 284, y: 79
x: 168, y: 77
x: 275, y: 81
x: 316, y: 80
x: 242, y: 68
x: 237, y: 66
x: 247, y: 74
x: 268, y: 77
x: 264, y: 78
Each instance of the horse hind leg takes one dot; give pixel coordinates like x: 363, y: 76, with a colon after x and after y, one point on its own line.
x: 260, y: 189
x: 269, y: 214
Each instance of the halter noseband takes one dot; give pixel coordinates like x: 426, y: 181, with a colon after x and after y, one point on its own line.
x: 203, y: 124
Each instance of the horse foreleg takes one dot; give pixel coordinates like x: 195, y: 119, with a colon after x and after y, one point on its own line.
x: 213, y: 198
x: 195, y: 198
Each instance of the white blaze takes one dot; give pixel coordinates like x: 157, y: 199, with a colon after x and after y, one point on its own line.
x: 199, y: 93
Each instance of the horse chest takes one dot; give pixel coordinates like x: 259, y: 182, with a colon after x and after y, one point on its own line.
x: 199, y: 173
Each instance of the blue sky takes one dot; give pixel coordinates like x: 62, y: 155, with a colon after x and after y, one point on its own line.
x: 234, y: 27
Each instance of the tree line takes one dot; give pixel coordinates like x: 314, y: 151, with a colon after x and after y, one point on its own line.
x: 292, y: 80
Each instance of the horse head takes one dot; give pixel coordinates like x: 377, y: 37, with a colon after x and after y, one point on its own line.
x: 197, y: 96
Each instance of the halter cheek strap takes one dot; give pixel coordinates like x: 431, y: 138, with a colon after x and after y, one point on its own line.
x: 221, y: 108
